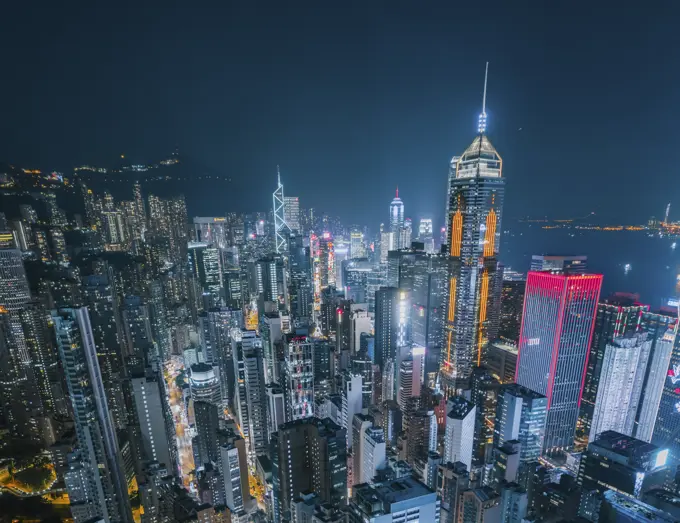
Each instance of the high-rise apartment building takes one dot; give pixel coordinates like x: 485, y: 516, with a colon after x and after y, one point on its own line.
x: 308, y: 455
x: 557, y: 325
x: 97, y: 479
x: 298, y: 377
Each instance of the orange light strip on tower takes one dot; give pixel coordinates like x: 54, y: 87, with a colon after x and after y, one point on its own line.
x: 490, y: 234
x: 452, y: 299
x: 456, y: 233
x: 448, y: 351
x: 482, y: 314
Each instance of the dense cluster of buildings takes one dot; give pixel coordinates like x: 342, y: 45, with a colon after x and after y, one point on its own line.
x: 280, y: 367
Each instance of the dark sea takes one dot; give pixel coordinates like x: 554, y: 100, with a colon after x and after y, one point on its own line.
x: 654, y: 264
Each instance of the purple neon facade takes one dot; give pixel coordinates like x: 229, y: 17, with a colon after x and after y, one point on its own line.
x: 557, y: 327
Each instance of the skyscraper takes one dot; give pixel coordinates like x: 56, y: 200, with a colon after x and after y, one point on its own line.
x: 97, y: 479
x: 620, y: 385
x: 291, y: 213
x: 308, y: 455
x: 397, y: 220
x: 474, y: 212
x: 557, y: 325
x: 460, y: 429
x: 281, y: 228
x: 551, y: 262
x: 616, y: 316
x: 298, y: 377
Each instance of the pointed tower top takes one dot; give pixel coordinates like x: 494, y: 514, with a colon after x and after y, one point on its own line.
x: 397, y: 191
x: 278, y: 174
x: 481, y: 128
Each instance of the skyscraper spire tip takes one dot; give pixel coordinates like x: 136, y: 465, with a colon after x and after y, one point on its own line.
x: 397, y: 191
x: 278, y: 174
x: 481, y: 128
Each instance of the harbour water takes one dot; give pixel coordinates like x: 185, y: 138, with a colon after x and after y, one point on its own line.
x: 653, y: 262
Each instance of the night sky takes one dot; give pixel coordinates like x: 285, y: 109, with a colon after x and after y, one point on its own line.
x: 353, y: 99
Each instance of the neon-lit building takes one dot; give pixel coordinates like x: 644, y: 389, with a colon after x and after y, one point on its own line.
x: 474, y: 208
x: 557, y: 326
x: 397, y: 219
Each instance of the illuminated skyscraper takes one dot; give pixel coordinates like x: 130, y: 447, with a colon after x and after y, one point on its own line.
x: 281, y: 228
x: 557, y: 326
x: 356, y: 245
x: 474, y: 210
x: 96, y: 480
x: 291, y: 212
x: 397, y: 219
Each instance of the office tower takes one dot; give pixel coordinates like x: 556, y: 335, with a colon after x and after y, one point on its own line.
x: 556, y: 263
x: 352, y: 401
x: 97, y: 481
x: 355, y: 274
x: 233, y: 467
x: 453, y: 481
x: 298, y: 377
x: 159, y: 319
x: 501, y: 360
x: 401, y: 266
x: 512, y: 300
x: 392, y: 501
x: 460, y: 428
x: 421, y: 438
x: 257, y: 400
x: 620, y: 384
x: 406, y: 234
x: 666, y: 432
x: 207, y: 425
x: 410, y: 377
x: 425, y: 234
x: 481, y: 505
x: 397, y: 221
x: 326, y: 263
x: 360, y: 423
x: 271, y: 331
x: 392, y: 422
x: 215, y: 327
x: 204, y: 265
x: 149, y: 397
x: 270, y: 280
x: 276, y: 408
x: 392, y: 323
x: 506, y: 463
x: 514, y: 504
x: 308, y: 455
x: 204, y: 384
x: 212, y: 230
x: 620, y: 462
x: 473, y: 217
x: 361, y: 364
x: 521, y: 415
x: 300, y: 281
x: 359, y: 323
x: 617, y: 316
x: 291, y: 213
x: 429, y: 288
x: 342, y: 329
x: 483, y: 394
x: 618, y: 507
x: 281, y: 228
x: 557, y: 325
x: 653, y: 388
x: 387, y: 243
x: 373, y: 455
x: 323, y: 357
x: 356, y: 245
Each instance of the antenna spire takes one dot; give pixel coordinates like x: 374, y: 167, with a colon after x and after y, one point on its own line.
x: 481, y: 128
x: 278, y: 174
x: 397, y: 191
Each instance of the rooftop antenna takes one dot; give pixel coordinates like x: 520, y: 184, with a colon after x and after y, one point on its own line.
x: 481, y: 128
x: 397, y: 191
x: 278, y: 174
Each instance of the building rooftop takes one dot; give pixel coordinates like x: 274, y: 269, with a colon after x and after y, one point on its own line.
x: 629, y: 450
x: 378, y: 499
x: 458, y: 407
x: 635, y: 509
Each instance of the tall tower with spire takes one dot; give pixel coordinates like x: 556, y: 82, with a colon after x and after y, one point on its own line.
x: 474, y: 208
x: 281, y: 229
x: 396, y: 220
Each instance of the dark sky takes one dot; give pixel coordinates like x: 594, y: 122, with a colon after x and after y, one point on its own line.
x: 354, y: 98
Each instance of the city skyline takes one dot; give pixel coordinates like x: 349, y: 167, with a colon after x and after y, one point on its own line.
x: 393, y: 120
